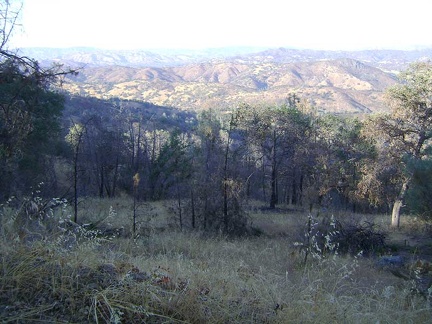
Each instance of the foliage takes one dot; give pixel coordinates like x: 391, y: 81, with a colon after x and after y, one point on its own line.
x: 419, y: 200
x: 341, y: 154
x: 29, y: 123
x: 29, y: 111
x: 172, y: 165
x: 217, y: 190
x: 408, y: 131
x: 405, y: 133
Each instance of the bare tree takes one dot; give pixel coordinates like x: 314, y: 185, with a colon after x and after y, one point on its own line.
x: 9, y: 15
x: 75, y: 139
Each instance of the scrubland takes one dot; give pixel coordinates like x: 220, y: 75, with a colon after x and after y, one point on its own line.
x: 53, y: 271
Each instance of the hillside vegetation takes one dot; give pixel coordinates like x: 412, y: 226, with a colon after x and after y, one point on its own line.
x: 333, y: 81
x: 342, y: 86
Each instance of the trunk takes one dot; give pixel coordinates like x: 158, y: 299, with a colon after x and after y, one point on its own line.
x: 102, y: 182
x: 225, y: 205
x: 300, y: 198
x: 135, y: 194
x: 114, y: 186
x: 205, y: 212
x: 179, y: 206
x: 263, y: 179
x: 294, y: 190
x: 225, y: 187
x: 138, y: 149
x: 273, y: 197
x: 76, y: 185
x: 153, y: 152
x: 132, y: 139
x: 75, y: 162
x: 395, y: 222
x: 193, y: 208
x: 225, y: 184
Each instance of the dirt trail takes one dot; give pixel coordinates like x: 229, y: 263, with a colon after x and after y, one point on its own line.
x: 409, y: 245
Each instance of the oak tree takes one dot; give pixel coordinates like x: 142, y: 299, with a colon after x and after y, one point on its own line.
x: 405, y: 133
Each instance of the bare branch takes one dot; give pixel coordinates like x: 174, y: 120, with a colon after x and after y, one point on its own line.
x: 9, y: 18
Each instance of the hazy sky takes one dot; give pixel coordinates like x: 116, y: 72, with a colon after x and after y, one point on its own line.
x: 319, y: 24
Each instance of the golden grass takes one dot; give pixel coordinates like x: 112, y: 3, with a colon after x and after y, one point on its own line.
x: 187, y: 277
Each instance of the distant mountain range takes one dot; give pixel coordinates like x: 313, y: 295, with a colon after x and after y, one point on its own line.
x: 93, y: 57
x: 332, y: 81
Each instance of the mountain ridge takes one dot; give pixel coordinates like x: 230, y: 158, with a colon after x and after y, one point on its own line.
x: 332, y: 81
x: 386, y: 59
x: 343, y: 85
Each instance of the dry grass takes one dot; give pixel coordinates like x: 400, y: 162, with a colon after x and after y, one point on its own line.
x: 171, y: 276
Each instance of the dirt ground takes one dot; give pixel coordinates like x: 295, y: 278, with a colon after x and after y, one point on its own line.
x: 410, y: 245
x: 412, y: 241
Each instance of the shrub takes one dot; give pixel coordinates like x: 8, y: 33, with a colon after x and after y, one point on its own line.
x: 363, y: 238
x: 330, y: 236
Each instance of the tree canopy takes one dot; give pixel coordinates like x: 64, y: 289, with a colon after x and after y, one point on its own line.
x: 404, y: 134
x: 29, y: 110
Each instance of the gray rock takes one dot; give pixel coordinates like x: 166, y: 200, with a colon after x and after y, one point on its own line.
x: 391, y: 261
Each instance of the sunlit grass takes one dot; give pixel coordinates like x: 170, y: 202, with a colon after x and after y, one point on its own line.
x: 173, y: 276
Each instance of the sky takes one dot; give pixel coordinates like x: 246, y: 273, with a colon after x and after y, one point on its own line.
x: 199, y: 24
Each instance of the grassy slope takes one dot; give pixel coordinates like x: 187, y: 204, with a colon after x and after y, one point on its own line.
x: 169, y: 276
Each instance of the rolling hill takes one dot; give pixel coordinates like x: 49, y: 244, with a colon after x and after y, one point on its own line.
x: 341, y: 85
x: 332, y: 81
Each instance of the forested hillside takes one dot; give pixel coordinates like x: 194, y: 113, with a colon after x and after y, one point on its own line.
x: 233, y: 132
x: 279, y: 154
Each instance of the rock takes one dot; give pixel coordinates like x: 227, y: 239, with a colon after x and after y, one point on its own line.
x: 138, y: 276
x: 391, y: 261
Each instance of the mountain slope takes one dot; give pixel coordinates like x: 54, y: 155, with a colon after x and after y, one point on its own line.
x: 342, y: 85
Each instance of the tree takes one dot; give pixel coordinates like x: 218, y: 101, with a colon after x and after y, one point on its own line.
x: 105, y: 151
x: 340, y: 152
x: 75, y: 139
x: 29, y: 120
x: 171, y: 166
x: 275, y: 134
x: 9, y: 14
x: 419, y: 199
x: 406, y: 131
x: 217, y: 182
x: 29, y: 110
x: 233, y: 218
x: 207, y: 155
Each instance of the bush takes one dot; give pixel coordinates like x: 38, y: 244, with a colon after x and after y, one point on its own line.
x: 419, y: 200
x: 363, y: 238
x: 330, y: 236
